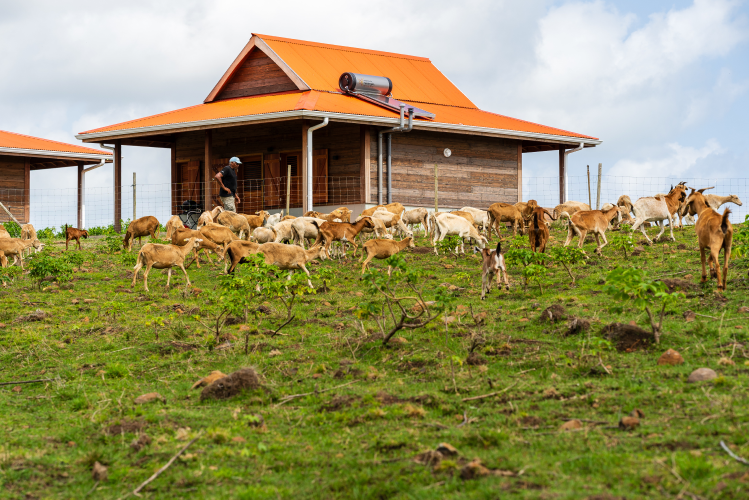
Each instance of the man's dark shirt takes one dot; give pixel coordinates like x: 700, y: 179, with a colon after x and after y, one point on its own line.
x: 229, y: 178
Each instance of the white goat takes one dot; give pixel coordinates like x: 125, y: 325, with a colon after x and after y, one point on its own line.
x: 416, y: 216
x: 480, y: 217
x: 657, y: 209
x: 303, y: 229
x: 264, y: 234
x: 448, y: 224
x: 272, y: 220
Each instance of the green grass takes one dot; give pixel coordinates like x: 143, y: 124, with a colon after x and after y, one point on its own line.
x: 104, y: 346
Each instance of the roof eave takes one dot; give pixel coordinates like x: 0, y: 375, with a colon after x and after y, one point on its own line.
x: 57, y: 154
x: 365, y: 119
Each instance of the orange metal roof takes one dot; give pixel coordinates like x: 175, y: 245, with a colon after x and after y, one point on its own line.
x: 330, y: 103
x: 415, y: 79
x: 20, y: 141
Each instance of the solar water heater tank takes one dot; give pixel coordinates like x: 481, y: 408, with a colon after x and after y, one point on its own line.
x: 365, y: 84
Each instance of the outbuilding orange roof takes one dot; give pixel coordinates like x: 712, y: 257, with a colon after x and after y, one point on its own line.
x: 315, y: 69
x: 11, y: 140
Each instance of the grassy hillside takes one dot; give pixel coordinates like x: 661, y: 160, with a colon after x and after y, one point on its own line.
x: 369, y: 417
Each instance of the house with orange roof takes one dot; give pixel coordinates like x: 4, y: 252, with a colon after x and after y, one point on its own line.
x: 319, y: 125
x: 21, y: 154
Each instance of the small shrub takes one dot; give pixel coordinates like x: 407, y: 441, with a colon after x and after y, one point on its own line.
x: 43, y: 264
x: 13, y: 229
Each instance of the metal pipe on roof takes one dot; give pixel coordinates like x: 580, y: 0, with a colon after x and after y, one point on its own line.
x: 401, y: 128
x: 309, y: 160
x: 580, y: 147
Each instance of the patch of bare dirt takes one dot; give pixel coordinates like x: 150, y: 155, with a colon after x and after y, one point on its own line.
x: 421, y: 250
x: 125, y: 426
x: 339, y: 402
x: 531, y: 421
x: 37, y: 315
x: 475, y: 359
x: 628, y: 338
x: 679, y: 285
x: 577, y: 326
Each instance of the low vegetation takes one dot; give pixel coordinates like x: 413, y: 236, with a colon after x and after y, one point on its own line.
x: 572, y: 384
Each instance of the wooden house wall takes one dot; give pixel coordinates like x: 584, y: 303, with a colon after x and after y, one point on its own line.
x: 480, y: 171
x: 14, y: 185
x: 256, y: 75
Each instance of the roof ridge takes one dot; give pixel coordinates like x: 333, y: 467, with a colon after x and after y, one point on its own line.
x: 342, y: 48
x: 51, y: 141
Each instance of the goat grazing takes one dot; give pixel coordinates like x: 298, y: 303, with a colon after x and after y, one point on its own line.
x: 392, y: 221
x: 657, y: 209
x: 394, y: 208
x: 236, y: 222
x: 209, y: 216
x: 303, y: 229
x: 236, y: 251
x: 382, y: 249
x: 416, y: 216
x: 290, y: 257
x: 163, y: 257
x: 538, y: 231
x: 571, y: 207
x: 15, y: 247
x: 28, y: 233
x: 449, y: 224
x: 504, y: 212
x: 4, y: 232
x: 480, y: 217
x: 148, y: 225
x: 264, y: 234
x: 493, y: 262
x: 72, y: 233
x: 594, y: 221
x: 714, y: 232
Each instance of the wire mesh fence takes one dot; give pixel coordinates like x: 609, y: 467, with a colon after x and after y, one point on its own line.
x: 56, y: 207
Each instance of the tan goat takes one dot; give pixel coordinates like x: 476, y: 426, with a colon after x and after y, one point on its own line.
x: 181, y: 237
x: 236, y: 222
x: 570, y: 207
x: 382, y: 249
x: 15, y: 247
x: 237, y: 250
x: 493, y: 263
x: 209, y: 216
x: 148, y: 225
x: 28, y: 233
x: 264, y: 234
x: 593, y: 221
x: 338, y: 213
x: 173, y: 224
x: 4, y: 232
x: 394, y: 208
x: 416, y: 216
x: 257, y: 220
x: 714, y: 232
x: 163, y: 257
x: 504, y: 212
x: 290, y: 257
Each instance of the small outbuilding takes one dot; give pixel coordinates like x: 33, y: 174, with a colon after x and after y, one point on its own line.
x: 21, y: 154
x: 324, y: 125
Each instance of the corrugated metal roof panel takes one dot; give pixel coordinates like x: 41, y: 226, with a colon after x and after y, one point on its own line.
x: 20, y: 141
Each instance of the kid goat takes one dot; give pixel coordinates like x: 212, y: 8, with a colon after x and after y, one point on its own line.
x: 538, y: 232
x: 594, y: 221
x: 493, y: 263
x: 714, y: 232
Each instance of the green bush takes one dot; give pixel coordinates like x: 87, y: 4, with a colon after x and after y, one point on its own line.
x: 13, y: 229
x: 43, y: 264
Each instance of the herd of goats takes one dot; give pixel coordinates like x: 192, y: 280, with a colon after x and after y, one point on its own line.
x: 233, y: 237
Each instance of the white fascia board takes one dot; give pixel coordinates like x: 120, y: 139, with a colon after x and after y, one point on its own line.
x: 376, y: 120
x: 66, y: 154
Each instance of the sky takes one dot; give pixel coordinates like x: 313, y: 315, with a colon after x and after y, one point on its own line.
x: 664, y: 84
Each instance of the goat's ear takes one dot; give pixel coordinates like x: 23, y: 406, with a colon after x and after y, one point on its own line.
x: 701, y: 190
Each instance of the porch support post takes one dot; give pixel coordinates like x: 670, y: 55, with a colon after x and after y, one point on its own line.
x: 80, y: 195
x: 305, y: 173
x: 365, y: 149
x: 561, y: 174
x: 174, y: 178
x: 520, y: 171
x: 27, y: 190
x: 207, y: 171
x: 117, y: 186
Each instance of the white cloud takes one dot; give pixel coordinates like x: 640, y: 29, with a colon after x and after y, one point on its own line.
x: 679, y: 161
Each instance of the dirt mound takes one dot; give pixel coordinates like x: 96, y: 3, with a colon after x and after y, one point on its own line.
x: 475, y: 359
x: 339, y: 402
x: 676, y: 285
x: 628, y: 338
x: 577, y: 325
x: 531, y: 421
x: 421, y: 250
x: 553, y: 313
x: 231, y: 385
x: 37, y: 315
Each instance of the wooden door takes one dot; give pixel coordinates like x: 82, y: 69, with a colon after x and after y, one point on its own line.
x: 271, y: 181
x: 320, y: 176
x: 191, y: 187
x: 250, y: 183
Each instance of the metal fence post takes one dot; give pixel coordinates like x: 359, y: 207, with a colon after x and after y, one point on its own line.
x: 435, y: 187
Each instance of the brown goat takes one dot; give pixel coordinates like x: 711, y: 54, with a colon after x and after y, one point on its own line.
x: 714, y: 232
x: 538, y: 231
x: 257, y: 220
x: 504, y: 212
x: 236, y: 222
x: 382, y: 249
x: 328, y: 232
x: 595, y: 221
x: 237, y: 250
x: 148, y: 225
x: 493, y: 262
x: 72, y: 233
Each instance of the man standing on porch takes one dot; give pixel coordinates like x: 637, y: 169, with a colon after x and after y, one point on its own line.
x: 228, y: 180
